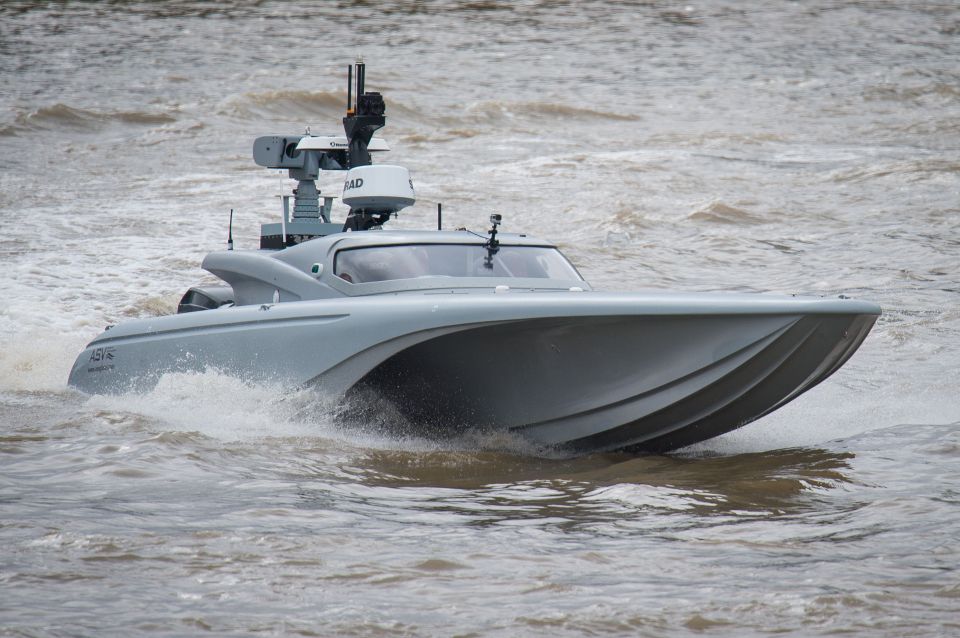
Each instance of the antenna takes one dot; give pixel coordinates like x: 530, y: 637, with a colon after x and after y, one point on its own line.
x: 230, y: 232
x: 350, y: 109
x: 439, y: 216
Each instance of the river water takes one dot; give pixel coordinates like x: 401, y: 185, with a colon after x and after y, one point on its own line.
x: 802, y: 147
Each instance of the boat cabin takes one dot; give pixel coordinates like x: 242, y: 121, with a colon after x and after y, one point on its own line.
x: 378, y: 262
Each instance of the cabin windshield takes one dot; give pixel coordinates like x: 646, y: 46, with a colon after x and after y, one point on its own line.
x: 382, y: 263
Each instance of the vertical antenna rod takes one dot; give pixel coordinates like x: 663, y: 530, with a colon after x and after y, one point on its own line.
x: 230, y: 232
x: 350, y: 109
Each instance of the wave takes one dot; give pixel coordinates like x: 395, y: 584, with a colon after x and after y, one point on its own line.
x: 890, y: 92
x: 328, y: 106
x: 944, y: 130
x: 495, y: 110
x: 719, y: 213
x: 65, y: 116
x: 463, y: 133
x: 10, y: 130
x: 165, y: 133
x: 285, y: 105
x: 153, y: 307
x: 916, y: 170
x: 715, y: 138
x: 438, y: 137
x: 626, y: 215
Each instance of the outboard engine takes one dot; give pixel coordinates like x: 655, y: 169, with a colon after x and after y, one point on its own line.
x: 373, y: 193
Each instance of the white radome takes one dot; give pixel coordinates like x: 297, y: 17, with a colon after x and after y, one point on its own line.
x: 381, y: 187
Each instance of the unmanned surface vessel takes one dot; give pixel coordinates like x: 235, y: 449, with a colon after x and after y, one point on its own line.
x: 458, y: 330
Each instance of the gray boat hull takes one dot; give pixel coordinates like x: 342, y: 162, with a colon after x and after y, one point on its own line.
x: 582, y: 371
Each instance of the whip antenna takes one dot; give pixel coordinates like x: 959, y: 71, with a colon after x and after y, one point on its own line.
x: 349, y: 89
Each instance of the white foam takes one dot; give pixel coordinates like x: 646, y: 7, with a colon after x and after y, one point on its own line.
x: 38, y: 360
x: 644, y: 497
x: 230, y: 409
x: 225, y: 407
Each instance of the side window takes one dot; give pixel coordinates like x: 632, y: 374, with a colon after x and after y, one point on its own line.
x: 380, y: 263
x: 384, y: 263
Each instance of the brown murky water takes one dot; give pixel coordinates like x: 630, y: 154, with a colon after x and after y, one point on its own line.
x: 793, y: 147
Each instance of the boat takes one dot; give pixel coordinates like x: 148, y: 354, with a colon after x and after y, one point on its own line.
x: 459, y: 331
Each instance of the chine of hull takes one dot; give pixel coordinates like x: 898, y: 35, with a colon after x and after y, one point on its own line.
x: 603, y: 383
x: 798, y: 359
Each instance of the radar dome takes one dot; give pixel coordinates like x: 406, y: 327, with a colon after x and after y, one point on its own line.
x: 381, y: 188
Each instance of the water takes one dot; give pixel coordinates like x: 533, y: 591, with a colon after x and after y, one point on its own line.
x: 791, y: 147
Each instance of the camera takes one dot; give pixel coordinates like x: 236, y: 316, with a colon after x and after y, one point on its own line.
x: 370, y: 103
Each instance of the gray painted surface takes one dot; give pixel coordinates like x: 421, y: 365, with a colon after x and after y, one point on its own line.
x: 582, y: 370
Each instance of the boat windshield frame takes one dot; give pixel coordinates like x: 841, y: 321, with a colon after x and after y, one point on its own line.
x: 454, y: 261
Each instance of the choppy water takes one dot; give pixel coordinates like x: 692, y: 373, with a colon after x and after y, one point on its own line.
x: 808, y: 147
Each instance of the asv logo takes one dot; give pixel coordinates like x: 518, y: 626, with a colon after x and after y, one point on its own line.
x: 353, y: 183
x: 102, y: 354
